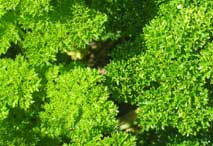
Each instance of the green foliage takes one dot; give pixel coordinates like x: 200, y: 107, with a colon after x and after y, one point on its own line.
x: 170, y: 81
x: 181, y: 97
x: 126, y: 17
x: 12, y: 12
x: 18, y: 81
x: 116, y: 139
x: 8, y: 34
x: 78, y: 107
x: 19, y: 129
x: 122, y: 77
x: 42, y: 28
x: 158, y: 82
x: 171, y: 137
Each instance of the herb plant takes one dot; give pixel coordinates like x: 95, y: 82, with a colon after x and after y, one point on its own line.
x: 106, y: 73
